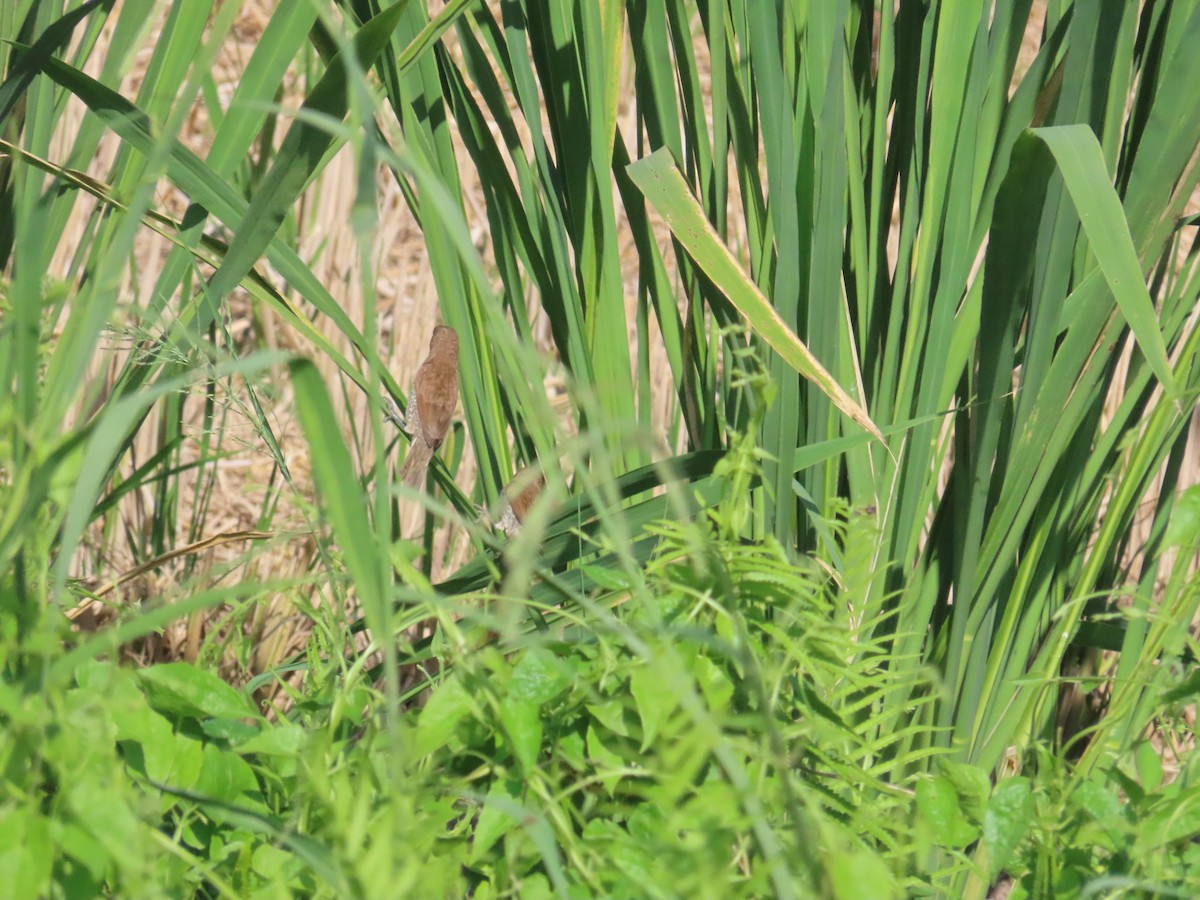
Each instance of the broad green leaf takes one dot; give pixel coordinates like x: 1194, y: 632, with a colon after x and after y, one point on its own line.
x: 27, y: 853
x: 104, y: 811
x: 861, y: 876
x: 938, y: 803
x: 224, y: 775
x: 972, y: 786
x: 448, y: 705
x: 1099, y: 802
x: 500, y: 814
x: 86, y: 851
x: 611, y: 715
x: 539, y: 677
x: 654, y: 702
x: 234, y: 731
x: 713, y: 682
x: 180, y: 689
x: 283, y: 739
x: 1176, y: 818
x: 1007, y: 820
x: 606, y: 762
x: 628, y: 848
x: 522, y: 721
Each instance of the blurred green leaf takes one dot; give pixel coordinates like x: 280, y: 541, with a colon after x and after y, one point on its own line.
x: 448, y: 705
x: 1175, y: 819
x: 183, y: 690
x: 235, y: 731
x: 940, y: 806
x: 1099, y: 802
x: 861, y: 876
x: 654, y: 701
x: 1183, y: 528
x: 499, y: 815
x: 26, y: 853
x: 972, y: 785
x: 1149, y: 766
x: 1006, y: 822
x: 105, y: 813
x: 225, y: 775
x: 539, y: 677
x: 522, y: 721
x: 606, y: 762
x: 282, y: 739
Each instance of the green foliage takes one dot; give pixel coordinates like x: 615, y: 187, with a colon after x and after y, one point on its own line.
x: 1127, y: 834
x: 782, y: 628
x: 691, y: 737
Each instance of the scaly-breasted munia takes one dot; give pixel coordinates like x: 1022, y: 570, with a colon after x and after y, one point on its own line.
x: 517, y: 497
x: 431, y: 404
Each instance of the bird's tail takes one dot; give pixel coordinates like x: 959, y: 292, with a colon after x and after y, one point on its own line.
x: 412, y: 473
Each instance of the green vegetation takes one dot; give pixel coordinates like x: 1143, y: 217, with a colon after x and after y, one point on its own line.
x: 859, y: 353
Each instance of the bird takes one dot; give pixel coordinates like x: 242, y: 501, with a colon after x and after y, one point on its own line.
x: 431, y: 404
x: 518, y: 497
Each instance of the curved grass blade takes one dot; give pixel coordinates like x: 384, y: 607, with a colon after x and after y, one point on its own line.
x: 1081, y: 162
x: 659, y: 180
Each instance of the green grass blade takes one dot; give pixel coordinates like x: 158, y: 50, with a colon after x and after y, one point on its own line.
x: 300, y: 156
x: 659, y: 180
x: 1081, y: 163
x: 343, y: 498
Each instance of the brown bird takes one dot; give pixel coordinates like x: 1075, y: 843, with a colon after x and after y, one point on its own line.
x: 518, y: 497
x: 431, y: 404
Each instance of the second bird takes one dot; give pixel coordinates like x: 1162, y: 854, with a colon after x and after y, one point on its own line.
x: 519, y: 496
x: 431, y: 404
